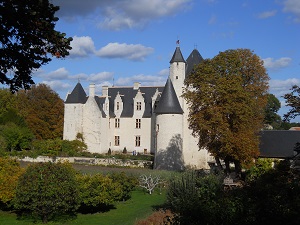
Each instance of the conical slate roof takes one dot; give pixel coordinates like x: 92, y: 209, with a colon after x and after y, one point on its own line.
x: 177, y: 56
x: 194, y: 59
x: 168, y: 102
x: 78, y: 95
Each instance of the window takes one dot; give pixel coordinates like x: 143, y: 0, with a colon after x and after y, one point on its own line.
x: 118, y: 105
x: 117, y: 123
x: 117, y: 140
x: 138, y: 123
x: 138, y: 106
x: 176, y: 77
x: 106, y: 106
x: 137, y: 141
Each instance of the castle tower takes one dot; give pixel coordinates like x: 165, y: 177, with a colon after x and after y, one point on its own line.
x: 169, y: 130
x: 177, y: 73
x: 74, y: 113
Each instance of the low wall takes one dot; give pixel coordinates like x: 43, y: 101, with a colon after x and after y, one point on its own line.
x: 93, y: 161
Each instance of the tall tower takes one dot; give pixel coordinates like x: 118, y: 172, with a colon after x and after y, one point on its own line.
x: 177, y: 73
x: 169, y: 131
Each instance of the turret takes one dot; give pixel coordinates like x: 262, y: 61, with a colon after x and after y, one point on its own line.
x: 169, y: 130
x: 177, y: 72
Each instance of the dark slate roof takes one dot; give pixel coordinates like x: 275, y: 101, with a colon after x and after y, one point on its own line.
x: 177, y: 56
x: 128, y: 94
x: 100, y: 101
x: 168, y: 102
x: 78, y: 95
x: 278, y: 143
x: 194, y: 59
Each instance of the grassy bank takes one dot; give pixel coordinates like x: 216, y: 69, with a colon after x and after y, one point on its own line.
x: 138, y: 207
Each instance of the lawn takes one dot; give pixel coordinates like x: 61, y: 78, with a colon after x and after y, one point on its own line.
x: 138, y: 207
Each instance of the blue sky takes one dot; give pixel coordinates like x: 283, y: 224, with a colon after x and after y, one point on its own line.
x: 124, y: 41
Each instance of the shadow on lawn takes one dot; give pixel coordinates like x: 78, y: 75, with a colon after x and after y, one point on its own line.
x: 84, y: 209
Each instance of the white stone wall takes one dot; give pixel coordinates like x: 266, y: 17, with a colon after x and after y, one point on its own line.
x: 127, y: 133
x: 72, y: 121
x: 91, y: 128
x: 177, y: 76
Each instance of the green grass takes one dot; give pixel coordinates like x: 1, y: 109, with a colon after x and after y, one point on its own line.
x: 138, y: 207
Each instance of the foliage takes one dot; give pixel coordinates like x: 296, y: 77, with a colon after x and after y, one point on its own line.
x: 10, y: 172
x: 58, y: 147
x: 149, y: 182
x: 97, y: 191
x: 261, y: 167
x: 43, y: 111
x: 227, y: 98
x: 16, y: 137
x: 124, y: 150
x: 274, y: 198
x: 46, y: 191
x: 7, y: 101
x: 128, y: 183
x: 272, y: 107
x: 27, y: 36
x: 293, y: 100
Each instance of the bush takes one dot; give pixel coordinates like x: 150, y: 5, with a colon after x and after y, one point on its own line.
x: 10, y: 172
x: 97, y: 192
x: 47, y: 191
x: 161, y: 217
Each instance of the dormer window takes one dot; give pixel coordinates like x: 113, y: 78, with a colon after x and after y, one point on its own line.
x: 118, y: 105
x: 139, y: 106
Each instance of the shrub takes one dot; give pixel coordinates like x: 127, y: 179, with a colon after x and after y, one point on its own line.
x: 161, y: 217
x: 47, y: 191
x: 97, y: 192
x: 10, y: 172
x: 124, y: 150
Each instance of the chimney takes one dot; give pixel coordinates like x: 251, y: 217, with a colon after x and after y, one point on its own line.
x: 136, y: 85
x: 92, y: 90
x: 104, y: 90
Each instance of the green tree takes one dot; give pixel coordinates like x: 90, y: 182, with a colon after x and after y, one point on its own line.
x: 98, y: 192
x: 47, y: 191
x: 16, y: 137
x: 10, y: 172
x: 293, y: 100
x: 227, y: 98
x: 7, y: 100
x: 43, y: 111
x: 27, y: 38
x: 271, y: 116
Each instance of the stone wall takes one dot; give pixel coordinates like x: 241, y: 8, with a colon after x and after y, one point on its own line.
x: 92, y: 161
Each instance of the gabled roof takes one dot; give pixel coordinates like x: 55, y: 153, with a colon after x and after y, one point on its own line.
x: 278, y: 143
x: 168, y: 102
x: 194, y: 59
x: 78, y: 95
x: 177, y: 56
x: 128, y: 94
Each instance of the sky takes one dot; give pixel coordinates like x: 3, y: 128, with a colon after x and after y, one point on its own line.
x: 119, y: 42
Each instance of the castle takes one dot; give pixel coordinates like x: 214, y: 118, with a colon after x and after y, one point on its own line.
x: 141, y: 119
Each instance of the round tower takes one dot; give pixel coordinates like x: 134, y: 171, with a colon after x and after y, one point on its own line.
x: 169, y: 127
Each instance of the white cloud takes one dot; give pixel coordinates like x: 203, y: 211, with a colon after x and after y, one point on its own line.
x: 267, y: 14
x: 164, y: 72
x: 281, y: 87
x: 58, y: 85
x: 121, y: 14
x: 82, y: 46
x: 145, y: 80
x: 100, y: 77
x: 59, y: 74
x: 293, y: 6
x: 132, y: 52
x: 272, y: 64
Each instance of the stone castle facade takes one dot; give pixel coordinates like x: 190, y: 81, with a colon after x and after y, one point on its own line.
x: 142, y: 119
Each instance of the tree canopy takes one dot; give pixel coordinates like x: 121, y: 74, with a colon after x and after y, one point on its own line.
x: 271, y: 116
x: 28, y: 39
x: 227, y: 98
x: 293, y: 100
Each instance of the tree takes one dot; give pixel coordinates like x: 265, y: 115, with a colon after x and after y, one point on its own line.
x: 10, y: 172
x: 46, y: 191
x: 28, y: 38
x: 43, y: 111
x: 272, y: 107
x: 293, y: 100
x: 227, y: 98
x: 149, y: 182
